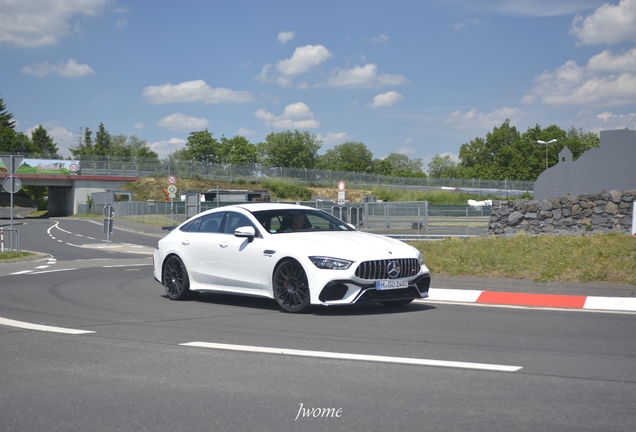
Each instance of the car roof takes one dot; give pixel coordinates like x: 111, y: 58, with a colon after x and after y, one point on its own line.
x: 252, y: 207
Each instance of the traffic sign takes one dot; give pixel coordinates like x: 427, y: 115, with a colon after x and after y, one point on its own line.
x: 12, y: 162
x: 109, y: 211
x: 172, y: 189
x: 172, y: 179
x: 11, y: 184
x: 341, y: 186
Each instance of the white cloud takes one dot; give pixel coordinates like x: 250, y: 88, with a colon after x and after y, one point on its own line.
x: 63, y: 138
x: 245, y: 132
x: 607, y: 62
x: 477, y: 120
x: 302, y: 61
x: 139, y: 125
x: 165, y: 147
x: 333, y: 137
x: 284, y: 37
x: 462, y: 25
x: 32, y: 23
x: 178, y: 121
x: 405, y: 150
x: 607, y: 80
x: 608, y: 120
x: 381, y: 38
x: 70, y: 69
x: 295, y: 116
x: 387, y: 99
x: 364, y: 77
x: 194, y: 91
x: 608, y: 24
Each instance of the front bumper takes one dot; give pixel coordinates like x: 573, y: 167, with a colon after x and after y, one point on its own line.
x: 352, y: 292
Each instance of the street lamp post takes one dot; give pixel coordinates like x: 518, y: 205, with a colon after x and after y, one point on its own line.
x: 546, y: 149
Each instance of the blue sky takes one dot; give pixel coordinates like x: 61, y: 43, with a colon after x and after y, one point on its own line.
x: 414, y: 77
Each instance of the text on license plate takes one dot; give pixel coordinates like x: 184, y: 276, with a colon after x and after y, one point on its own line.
x: 391, y: 284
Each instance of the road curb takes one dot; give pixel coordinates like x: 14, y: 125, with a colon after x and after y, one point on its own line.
x: 627, y: 304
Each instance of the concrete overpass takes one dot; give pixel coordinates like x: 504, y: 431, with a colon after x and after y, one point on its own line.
x: 67, y: 192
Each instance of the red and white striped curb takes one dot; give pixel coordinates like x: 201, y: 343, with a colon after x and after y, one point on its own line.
x: 537, y: 300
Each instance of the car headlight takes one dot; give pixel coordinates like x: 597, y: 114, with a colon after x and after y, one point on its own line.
x: 330, y: 263
x: 420, y: 258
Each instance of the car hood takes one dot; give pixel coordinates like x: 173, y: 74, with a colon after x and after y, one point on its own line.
x: 353, y: 245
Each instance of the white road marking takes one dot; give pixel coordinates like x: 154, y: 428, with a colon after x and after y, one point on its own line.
x: 54, y: 271
x: 21, y: 272
x: 39, y: 327
x: 42, y: 267
x: 359, y: 357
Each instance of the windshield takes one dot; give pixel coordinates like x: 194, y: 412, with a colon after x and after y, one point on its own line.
x: 295, y: 220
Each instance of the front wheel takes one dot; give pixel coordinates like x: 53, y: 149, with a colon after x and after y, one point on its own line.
x: 176, y: 281
x: 396, y: 303
x: 291, y: 288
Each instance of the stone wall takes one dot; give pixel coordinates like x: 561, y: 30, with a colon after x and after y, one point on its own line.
x: 595, y: 213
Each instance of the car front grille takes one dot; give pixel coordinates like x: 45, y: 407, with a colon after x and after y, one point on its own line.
x: 379, y: 269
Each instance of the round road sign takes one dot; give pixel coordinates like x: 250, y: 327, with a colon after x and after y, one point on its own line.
x: 11, y: 184
x: 172, y: 189
x: 172, y: 179
x: 341, y: 186
x: 109, y: 211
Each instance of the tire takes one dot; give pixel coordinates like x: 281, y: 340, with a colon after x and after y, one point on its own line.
x: 291, y: 287
x: 396, y: 303
x: 175, y: 279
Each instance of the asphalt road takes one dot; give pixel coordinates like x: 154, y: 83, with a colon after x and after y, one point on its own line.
x: 428, y: 366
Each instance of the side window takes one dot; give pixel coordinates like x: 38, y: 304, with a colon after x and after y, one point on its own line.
x: 191, y: 226
x: 210, y: 223
x: 235, y: 220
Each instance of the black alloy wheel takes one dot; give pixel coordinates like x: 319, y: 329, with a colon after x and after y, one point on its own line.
x: 176, y: 281
x: 291, y: 287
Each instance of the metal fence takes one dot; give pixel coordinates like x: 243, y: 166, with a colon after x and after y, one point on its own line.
x: 407, y: 220
x: 144, y: 167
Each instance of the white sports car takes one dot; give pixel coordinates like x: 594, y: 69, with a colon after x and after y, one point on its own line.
x: 295, y: 254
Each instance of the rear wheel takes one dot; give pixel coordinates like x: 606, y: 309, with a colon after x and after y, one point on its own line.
x: 291, y: 288
x: 396, y: 303
x: 176, y: 281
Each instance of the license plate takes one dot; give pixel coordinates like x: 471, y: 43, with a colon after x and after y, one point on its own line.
x: 391, y: 284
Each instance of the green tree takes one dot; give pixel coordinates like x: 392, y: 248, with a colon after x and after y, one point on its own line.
x: 348, y: 156
x: 103, y: 142
x: 124, y: 146
x: 38, y: 194
x: 401, y: 165
x: 42, y: 145
x: 491, y: 158
x: 236, y: 151
x: 290, y: 149
x: 201, y: 146
x: 5, y: 117
x: 442, y: 167
x: 85, y: 144
x: 7, y: 130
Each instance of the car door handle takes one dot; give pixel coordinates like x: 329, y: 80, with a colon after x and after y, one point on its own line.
x: 185, y: 242
x: 223, y: 244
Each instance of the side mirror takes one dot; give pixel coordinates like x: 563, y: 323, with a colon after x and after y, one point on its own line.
x: 247, y: 232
